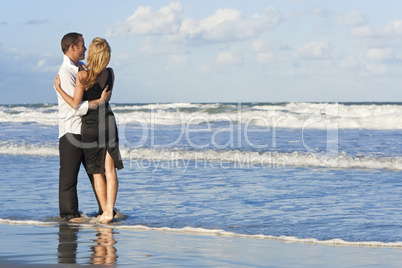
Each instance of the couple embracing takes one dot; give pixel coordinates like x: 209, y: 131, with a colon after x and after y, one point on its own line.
x: 87, y: 126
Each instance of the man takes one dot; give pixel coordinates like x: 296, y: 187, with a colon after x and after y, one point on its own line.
x: 70, y: 148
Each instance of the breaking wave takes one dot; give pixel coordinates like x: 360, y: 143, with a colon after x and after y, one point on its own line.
x: 154, y: 158
x: 280, y: 115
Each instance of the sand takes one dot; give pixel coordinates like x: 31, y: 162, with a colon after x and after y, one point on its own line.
x: 66, y: 245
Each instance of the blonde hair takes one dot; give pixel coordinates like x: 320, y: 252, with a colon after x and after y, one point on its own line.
x: 98, y: 58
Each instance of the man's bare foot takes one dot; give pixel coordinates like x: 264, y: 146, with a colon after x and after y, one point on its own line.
x: 76, y: 220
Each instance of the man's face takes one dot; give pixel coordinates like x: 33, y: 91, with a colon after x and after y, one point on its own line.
x: 79, y: 50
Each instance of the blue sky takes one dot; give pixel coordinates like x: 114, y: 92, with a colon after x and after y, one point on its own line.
x: 211, y: 51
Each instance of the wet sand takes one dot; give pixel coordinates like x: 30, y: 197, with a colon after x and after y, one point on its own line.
x: 69, y: 245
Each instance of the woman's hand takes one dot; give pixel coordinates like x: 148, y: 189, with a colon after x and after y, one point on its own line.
x: 83, y: 66
x: 57, y: 82
x: 106, y: 95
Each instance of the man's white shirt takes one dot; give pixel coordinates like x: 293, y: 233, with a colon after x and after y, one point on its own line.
x: 69, y: 119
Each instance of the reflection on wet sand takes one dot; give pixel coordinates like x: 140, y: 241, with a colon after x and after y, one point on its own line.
x: 104, y: 251
x: 102, y: 247
x: 67, y: 248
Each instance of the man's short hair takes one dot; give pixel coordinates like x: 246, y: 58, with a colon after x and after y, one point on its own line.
x: 68, y: 40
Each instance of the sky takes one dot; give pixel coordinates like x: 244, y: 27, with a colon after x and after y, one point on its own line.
x: 211, y: 51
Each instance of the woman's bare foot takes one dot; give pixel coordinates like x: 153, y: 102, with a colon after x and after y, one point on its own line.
x: 106, y: 217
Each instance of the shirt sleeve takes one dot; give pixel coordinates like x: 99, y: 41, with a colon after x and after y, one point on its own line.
x: 82, y: 108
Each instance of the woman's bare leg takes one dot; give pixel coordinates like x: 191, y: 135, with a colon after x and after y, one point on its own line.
x: 112, y: 185
x: 101, y: 189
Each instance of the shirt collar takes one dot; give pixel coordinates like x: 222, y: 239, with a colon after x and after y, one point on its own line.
x: 67, y: 61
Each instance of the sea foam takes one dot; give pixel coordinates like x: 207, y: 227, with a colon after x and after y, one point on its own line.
x: 214, y: 232
x: 180, y: 158
x: 273, y: 115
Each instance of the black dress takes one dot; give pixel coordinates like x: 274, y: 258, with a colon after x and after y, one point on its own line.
x: 99, y: 132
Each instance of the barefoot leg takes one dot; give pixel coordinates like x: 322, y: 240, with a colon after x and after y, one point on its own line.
x: 112, y: 186
x: 100, y: 189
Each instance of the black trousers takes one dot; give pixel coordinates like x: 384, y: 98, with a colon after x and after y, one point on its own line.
x: 71, y: 157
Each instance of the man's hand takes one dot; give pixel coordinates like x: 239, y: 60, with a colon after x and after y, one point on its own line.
x: 106, y: 95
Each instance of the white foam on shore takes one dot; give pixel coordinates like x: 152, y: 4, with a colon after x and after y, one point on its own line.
x: 286, y: 239
x: 27, y: 222
x: 218, y: 232
x: 157, y: 158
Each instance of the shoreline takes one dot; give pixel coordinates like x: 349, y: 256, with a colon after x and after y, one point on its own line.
x: 90, y: 223
x: 47, y: 246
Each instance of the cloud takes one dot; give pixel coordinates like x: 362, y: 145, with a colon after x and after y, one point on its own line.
x: 394, y: 27
x: 205, y: 69
x: 122, y: 59
x: 382, y: 36
x: 264, y: 57
x: 175, y: 61
x: 377, y: 69
x: 259, y: 46
x: 41, y: 63
x: 146, y: 22
x: 315, y: 50
x: 263, y: 54
x: 379, y: 54
x: 227, y: 58
x: 363, y: 32
x: 35, y: 21
x: 322, y: 12
x: 349, y: 62
x: 229, y: 25
x: 352, y: 19
x: 43, y: 66
x: 169, y: 22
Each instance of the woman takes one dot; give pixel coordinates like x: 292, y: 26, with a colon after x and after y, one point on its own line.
x: 99, y: 129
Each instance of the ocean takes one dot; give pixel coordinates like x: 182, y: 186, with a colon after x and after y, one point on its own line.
x: 316, y: 173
